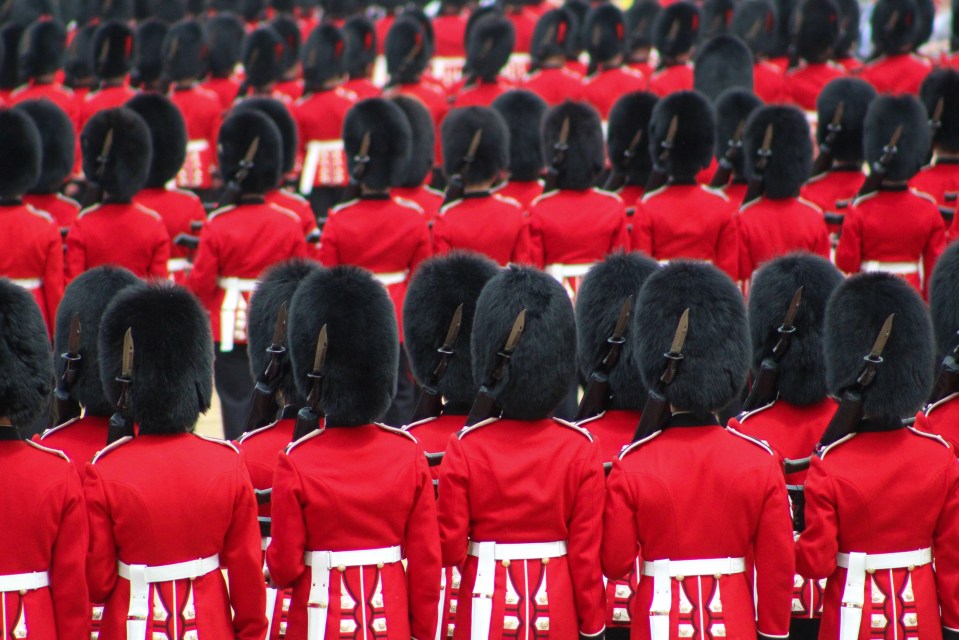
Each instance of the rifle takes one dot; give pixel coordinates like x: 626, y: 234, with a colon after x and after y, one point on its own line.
x: 121, y: 425
x: 824, y: 160
x: 186, y: 241
x: 362, y: 159
x: 617, y: 178
x: 765, y: 389
x: 880, y: 167
x: 656, y: 411
x: 485, y: 403
x: 94, y: 192
x: 598, y: 395
x: 756, y: 185
x: 935, y: 122
x: 308, y: 418
x: 456, y: 186
x: 430, y: 402
x: 850, y: 411
x: 733, y: 148
x: 947, y: 382
x: 560, y: 149
x: 234, y: 188
x: 67, y: 407
x: 658, y: 176
x: 795, y: 465
x: 263, y: 405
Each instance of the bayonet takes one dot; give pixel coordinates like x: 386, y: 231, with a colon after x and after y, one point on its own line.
x: 456, y: 186
x: 765, y: 388
x: 559, y: 157
x: 67, y: 407
x: 656, y: 411
x: 120, y: 423
x: 308, y: 419
x: 598, y: 394
x: 430, y: 402
x: 263, y: 405
x: 489, y: 392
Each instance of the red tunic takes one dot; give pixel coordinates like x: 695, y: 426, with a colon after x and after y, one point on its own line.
x: 612, y: 430
x: 44, y: 529
x: 226, y: 90
x: 203, y: 507
x: 770, y: 228
x: 490, y: 224
x: 938, y: 180
x: 942, y: 419
x: 429, y: 94
x: 900, y: 230
x: 827, y: 190
x: 179, y: 210
x: 450, y: 32
x: 375, y: 479
x: 92, y: 240
x: 644, y: 67
x: 552, y: 492
x: 382, y: 28
x: 850, y: 64
x: 241, y: 242
x: 362, y: 88
x: 603, y: 88
x: 428, y: 199
x: 62, y: 209
x: 630, y: 194
x: 80, y: 438
x: 55, y: 92
x: 297, y: 204
x: 32, y: 256
x: 554, y: 85
x: 569, y: 227
x: 806, y: 81
x: 433, y: 434
x: 857, y: 501
x: 672, y: 79
x: 522, y: 192
x: 292, y: 89
x: 480, y: 94
x: 105, y: 98
x: 896, y: 74
x: 768, y: 82
x: 658, y: 510
x: 524, y: 21
x: 319, y: 120
x: 663, y: 228
x: 202, y: 111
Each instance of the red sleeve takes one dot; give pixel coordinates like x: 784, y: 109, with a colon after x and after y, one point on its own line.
x: 206, y: 266
x: 935, y: 245
x: 945, y: 542
x: 953, y: 234
x: 422, y: 545
x: 822, y: 241
x: 585, y: 537
x: 454, y: 505
x: 620, y: 536
x: 818, y: 545
x: 53, y: 276
x: 522, y: 252
x: 102, y: 550
x: 620, y: 239
x: 299, y: 247
x: 76, y: 255
x: 849, y: 249
x: 775, y: 560
x: 328, y: 254
x: 642, y: 239
x: 423, y: 248
x: 537, y: 244
x: 745, y: 258
x: 67, y: 561
x: 161, y: 254
x: 727, y: 249
x: 284, y: 557
x: 441, y: 244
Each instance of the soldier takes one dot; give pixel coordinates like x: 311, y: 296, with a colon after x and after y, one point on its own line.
x: 895, y: 69
x: 716, y: 16
x: 754, y: 22
x: 146, y: 74
x: 789, y: 407
x: 413, y: 187
x: 733, y: 108
x: 662, y: 226
x: 553, y: 39
x: 407, y: 56
x: 42, y: 53
x: 627, y: 145
x: 112, y: 55
x: 845, y: 49
x: 78, y: 69
x: 520, y: 577
x: 290, y: 84
x: 674, y: 34
x: 375, y: 477
x: 523, y: 111
x: 10, y: 34
x: 116, y: 147
x: 225, y: 34
x: 640, y: 18
x: 489, y: 44
x: 43, y: 590
x: 608, y: 78
x: 695, y: 584
x: 878, y: 561
x: 722, y: 63
x: 163, y: 576
x: 263, y: 63
x: 449, y: 25
x: 360, y: 56
x: 893, y: 229
x: 815, y: 28
x: 940, y: 178
x: 778, y: 221
x: 180, y: 210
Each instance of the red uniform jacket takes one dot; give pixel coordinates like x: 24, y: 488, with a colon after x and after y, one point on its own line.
x: 55, y: 92
x: 939, y: 179
x: 672, y: 79
x: 375, y: 479
x: 857, y: 500
x: 433, y: 434
x: 292, y: 89
x: 382, y: 28
x: 552, y: 491
x: 806, y: 81
x: 643, y: 66
x: 319, y: 119
x: 92, y: 240
x: 80, y: 438
x: 480, y: 94
x: 612, y: 430
x: 450, y: 32
x: 838, y: 185
x: 768, y: 82
x: 226, y: 90
x: 576, y: 227
x: 241, y: 242
x: 32, y: 256
x: 203, y: 112
x: 178, y: 209
x: 896, y: 74
x: 487, y: 223
x: 62, y: 209
x: 105, y: 98
x: 942, y: 419
x: 630, y: 194
x: 850, y: 64
x: 297, y: 204
x: 665, y: 230
x: 522, y: 192
x: 554, y: 85
x: 427, y: 199
x: 769, y: 228
x: 362, y: 88
x: 604, y: 87
x: 657, y: 510
x: 524, y: 21
x: 203, y: 506
x: 897, y: 227
x: 431, y: 96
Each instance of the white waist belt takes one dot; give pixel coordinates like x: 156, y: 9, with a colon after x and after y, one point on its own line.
x: 322, y: 562
x: 854, y: 593
x: 197, y: 146
x: 24, y: 581
x: 233, y: 301
x: 898, y: 268
x: 563, y: 271
x: 487, y: 554
x: 31, y: 284
x: 174, y: 265
x: 141, y: 577
x: 388, y: 279
x: 663, y: 572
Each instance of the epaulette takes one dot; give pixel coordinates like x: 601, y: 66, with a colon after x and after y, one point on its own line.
x: 409, y: 204
x: 250, y: 434
x: 470, y: 429
x: 923, y: 195
x: 147, y: 211
x: 813, y: 205
x: 756, y: 441
x: 591, y: 418
x: 53, y: 430
x: 70, y: 201
x: 294, y: 196
x: 748, y: 414
x: 507, y: 200
x: 939, y: 403
x: 343, y: 205
x: 113, y: 446
x: 931, y: 436
x: 219, y: 212
x: 399, y: 432
x: 184, y: 192
x: 654, y: 192
x: 845, y: 438
x: 715, y: 192
x: 293, y: 445
x: 91, y: 209
x: 40, y: 447
x: 43, y: 215
x: 449, y: 205
x: 860, y: 199
x: 752, y: 203
x: 225, y: 443
x: 543, y: 196
x: 283, y: 210
x: 569, y: 425
x: 639, y: 443
x: 608, y: 194
x: 418, y: 423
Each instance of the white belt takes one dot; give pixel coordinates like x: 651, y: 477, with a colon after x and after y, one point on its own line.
x: 24, y: 581
x: 487, y: 554
x: 174, y: 265
x: 31, y: 284
x: 141, y: 577
x: 663, y: 572
x: 315, y: 151
x: 322, y: 562
x: 388, y: 279
x: 854, y: 593
x: 197, y: 146
x: 233, y: 302
x: 563, y: 271
x: 898, y: 268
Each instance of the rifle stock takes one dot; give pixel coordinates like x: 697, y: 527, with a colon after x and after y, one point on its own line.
x: 595, y: 398
x: 484, y: 406
x: 429, y: 404
x: 947, y: 382
x: 845, y: 420
x: 766, y: 387
x: 67, y: 407
x: 655, y: 415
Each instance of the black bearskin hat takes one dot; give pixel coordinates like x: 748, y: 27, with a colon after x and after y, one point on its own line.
x: 724, y: 62
x: 22, y: 149
x: 599, y: 303
x: 289, y: 32
x: 489, y: 46
x: 9, y: 62
x: 802, y: 377
x: 523, y: 112
x: 42, y: 49
x: 25, y: 358
x: 457, y: 133
x: 815, y: 29
x: 168, y: 133
x: 173, y: 356
x: 225, y: 34
x: 121, y: 10
x: 285, y: 124
x: 88, y: 297
x: 277, y: 286
x: 185, y: 51
x: 733, y: 108
x: 756, y: 24
x: 426, y: 24
x: 252, y: 10
x: 943, y: 84
x: 927, y: 16
x: 676, y: 29
x: 586, y: 156
x: 628, y: 117
x: 695, y: 133
x: 364, y: 347
x: 605, y: 33
x: 716, y: 354
x: 406, y: 50
x: 854, y: 316
x: 263, y: 53
x: 543, y: 365
x: 360, y: 50
x: 390, y: 141
x: 440, y: 285
x: 112, y: 50
x: 323, y: 56
x: 79, y: 63
x: 423, y: 139
x: 639, y: 23
x: 148, y: 53
x: 57, y: 141
x: 717, y: 15
x: 884, y: 115
x: 943, y: 293
x: 895, y: 26
x: 553, y: 35
x: 790, y: 164
x: 238, y: 132
x: 848, y: 28
x: 169, y: 11
x: 128, y: 163
x: 855, y: 94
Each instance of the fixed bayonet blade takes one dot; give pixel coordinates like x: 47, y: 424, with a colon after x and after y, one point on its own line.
x: 564, y: 132
x: 937, y: 112
x: 768, y: 139
x: 679, y: 339
x: 882, y: 338
x: 73, y: 342
x: 516, y: 332
x: 454, y: 329
x: 894, y: 140
x: 474, y: 145
x: 126, y: 366
x: 365, y: 145
x: 321, y: 344
x: 251, y: 150
x: 837, y: 115
x: 671, y: 132
x: 107, y: 146
x: 793, y: 309
x: 279, y: 330
x: 623, y: 319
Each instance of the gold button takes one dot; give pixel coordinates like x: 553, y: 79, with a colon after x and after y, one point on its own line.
x: 911, y: 567
x: 324, y: 605
x: 680, y: 578
x: 341, y: 568
x: 545, y: 560
x: 718, y: 576
x: 870, y: 571
x: 505, y: 563
x: 23, y: 592
x: 379, y: 565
